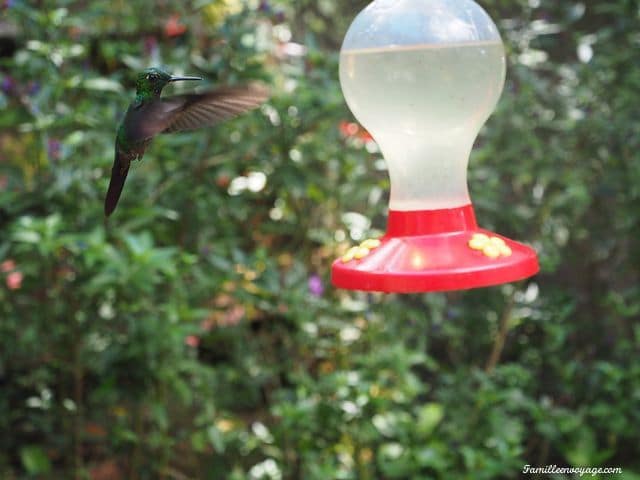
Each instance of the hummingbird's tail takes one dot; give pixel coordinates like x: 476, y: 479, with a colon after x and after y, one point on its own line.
x: 118, y: 176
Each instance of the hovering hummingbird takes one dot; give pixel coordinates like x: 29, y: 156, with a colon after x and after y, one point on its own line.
x: 149, y: 115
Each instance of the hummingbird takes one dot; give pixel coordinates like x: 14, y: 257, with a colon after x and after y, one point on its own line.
x: 150, y: 114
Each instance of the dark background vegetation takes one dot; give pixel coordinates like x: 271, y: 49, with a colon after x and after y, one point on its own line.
x: 196, y: 336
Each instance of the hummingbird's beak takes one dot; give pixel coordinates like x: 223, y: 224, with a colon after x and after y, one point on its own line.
x: 180, y: 79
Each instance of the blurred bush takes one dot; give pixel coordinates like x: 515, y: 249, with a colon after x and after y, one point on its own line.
x: 195, y: 334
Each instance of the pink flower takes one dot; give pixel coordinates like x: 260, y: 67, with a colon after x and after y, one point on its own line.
x: 353, y: 130
x: 192, y: 341
x: 316, y: 287
x: 233, y: 315
x: 173, y: 27
x: 150, y: 46
x: 7, y: 266
x: 54, y: 148
x: 207, y: 324
x: 349, y: 129
x: 14, y: 280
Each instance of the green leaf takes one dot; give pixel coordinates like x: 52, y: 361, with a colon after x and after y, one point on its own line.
x: 629, y: 476
x: 429, y: 417
x: 27, y: 236
x: 216, y: 439
x: 35, y: 460
x: 584, y: 451
x: 102, y: 84
x: 138, y: 244
x: 393, y: 460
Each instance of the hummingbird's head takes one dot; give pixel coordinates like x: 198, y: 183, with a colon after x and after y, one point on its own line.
x: 153, y: 80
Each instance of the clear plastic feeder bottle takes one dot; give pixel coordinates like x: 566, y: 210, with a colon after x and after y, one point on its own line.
x: 423, y: 76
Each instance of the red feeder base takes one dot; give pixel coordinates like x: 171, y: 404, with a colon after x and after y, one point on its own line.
x: 432, y: 250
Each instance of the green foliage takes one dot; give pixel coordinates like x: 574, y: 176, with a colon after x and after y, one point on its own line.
x: 195, y: 335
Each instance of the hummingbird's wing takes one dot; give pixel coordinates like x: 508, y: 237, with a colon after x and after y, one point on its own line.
x: 189, y: 112
x: 176, y: 114
x: 118, y: 176
x: 193, y: 111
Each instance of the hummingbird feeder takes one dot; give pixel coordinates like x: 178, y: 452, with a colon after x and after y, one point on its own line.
x: 423, y: 76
